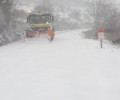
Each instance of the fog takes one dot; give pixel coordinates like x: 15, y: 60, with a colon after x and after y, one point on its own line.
x: 65, y: 2
x: 70, y: 3
x: 68, y: 14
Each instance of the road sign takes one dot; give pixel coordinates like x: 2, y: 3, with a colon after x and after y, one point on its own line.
x: 101, y: 36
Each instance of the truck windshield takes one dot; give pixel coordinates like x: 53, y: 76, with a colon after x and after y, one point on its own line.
x: 37, y: 19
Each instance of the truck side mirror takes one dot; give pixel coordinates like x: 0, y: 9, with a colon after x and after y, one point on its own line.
x: 28, y: 19
x: 52, y: 18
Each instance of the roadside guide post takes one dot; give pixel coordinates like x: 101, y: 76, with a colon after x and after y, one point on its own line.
x: 100, y: 36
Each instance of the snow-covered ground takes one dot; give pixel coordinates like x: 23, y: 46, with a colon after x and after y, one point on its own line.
x: 69, y: 68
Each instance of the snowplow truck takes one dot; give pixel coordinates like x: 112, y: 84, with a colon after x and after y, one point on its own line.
x: 40, y: 24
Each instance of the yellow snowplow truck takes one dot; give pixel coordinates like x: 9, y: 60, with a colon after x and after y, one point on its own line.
x: 40, y: 24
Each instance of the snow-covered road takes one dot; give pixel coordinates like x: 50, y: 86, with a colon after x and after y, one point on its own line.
x: 69, y: 68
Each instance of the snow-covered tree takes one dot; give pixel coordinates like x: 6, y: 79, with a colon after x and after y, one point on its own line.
x: 6, y: 8
x: 99, y: 10
x: 44, y: 6
x: 105, y: 15
x: 8, y: 21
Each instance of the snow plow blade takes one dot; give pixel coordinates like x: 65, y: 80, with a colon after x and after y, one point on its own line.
x: 30, y: 33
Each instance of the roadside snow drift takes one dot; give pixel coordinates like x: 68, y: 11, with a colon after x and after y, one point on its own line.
x: 69, y: 68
